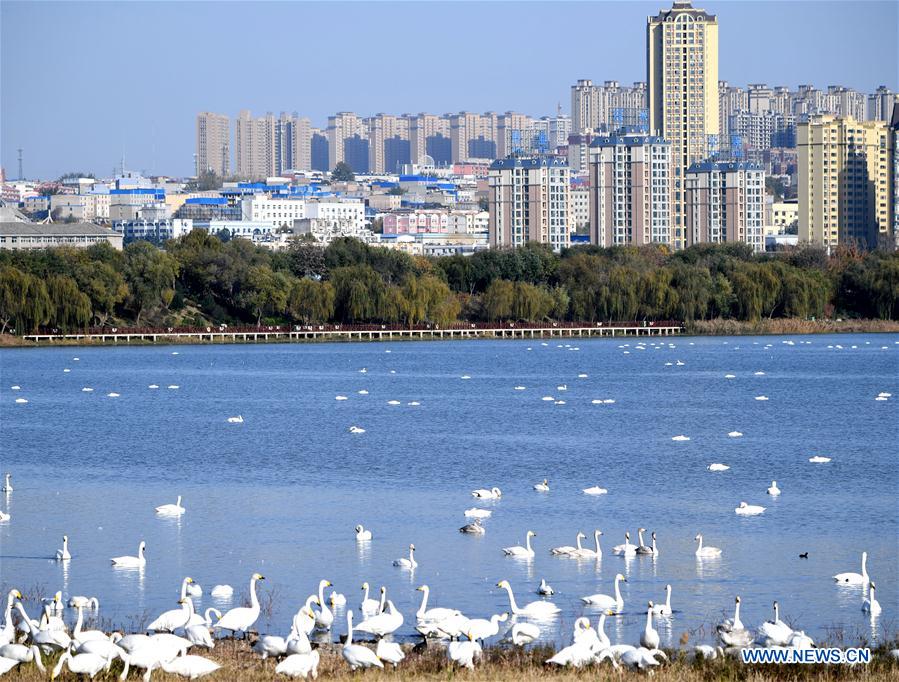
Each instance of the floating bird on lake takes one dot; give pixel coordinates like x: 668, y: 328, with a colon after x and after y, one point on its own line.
x: 774, y: 491
x: 545, y: 589
x: 706, y: 552
x: 474, y: 528
x: 522, y: 552
x: 855, y: 578
x: 63, y: 554
x: 362, y: 534
x: 749, y: 509
x: 171, y: 509
x: 542, y: 487
x: 132, y: 561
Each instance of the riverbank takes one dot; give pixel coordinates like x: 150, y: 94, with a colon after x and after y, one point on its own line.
x: 501, y: 664
x: 780, y: 326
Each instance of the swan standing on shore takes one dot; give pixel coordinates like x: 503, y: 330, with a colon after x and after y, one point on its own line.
x: 171, y: 509
x: 524, y: 633
x: 409, y: 563
x: 604, y: 601
x: 534, y: 609
x: 63, y: 554
x: 706, y: 552
x: 522, y: 552
x: 325, y: 617
x: 732, y: 632
x: 242, y: 618
x: 132, y: 561
x: 855, y: 578
x: 385, y: 623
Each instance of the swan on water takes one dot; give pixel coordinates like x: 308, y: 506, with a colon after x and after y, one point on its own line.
x: 627, y: 548
x: 153, y: 386
x: 190, y: 588
x: 706, y: 552
x: 356, y: 429
x: 717, y: 466
x: 362, y: 392
x: 734, y: 434
x: 581, y: 376
x: 174, y: 387
x: 749, y: 509
x: 664, y: 609
x: 85, y: 602
x: 475, y: 513
x: 336, y: 599
x: 87, y: 389
x: 761, y: 397
x: 394, y: 402
x: 362, y: 534
x: 680, y: 438
x: 324, y: 617
x: 235, y: 420
x: 300, y: 665
x: 548, y: 398
x: 652, y: 550
x: 518, y: 550
x: 524, y: 633
x: 545, y: 589
x: 473, y: 528
x: 650, y: 636
x: 138, y: 560
x: 535, y: 609
x: 568, y: 549
x: 730, y: 376
x: 542, y: 487
x: 520, y: 388
x: 112, y: 395
x: 586, y: 552
x: 870, y: 604
x: 242, y: 618
x: 604, y: 601
x: 407, y: 563
x: 595, y: 490
x: 4, y: 516
x: 63, y: 554
x: 340, y: 397
x: 774, y: 632
x: 171, y: 509
x: 732, y: 632
x: 855, y: 578
x: 774, y: 491
x: 370, y: 607
x: 222, y: 592
x: 487, y: 493
x: 818, y: 459
x: 7, y: 485
x: 21, y: 401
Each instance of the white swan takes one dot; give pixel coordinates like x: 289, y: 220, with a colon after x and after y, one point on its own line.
x: 642, y: 549
x: 717, y: 466
x: 389, y: 652
x: 299, y: 665
x: 871, y: 605
x: 169, y: 621
x: 362, y: 535
x: 607, y: 603
x: 79, y: 664
x: 13, y: 654
x: 818, y: 459
x: 774, y: 491
x: 706, y: 552
x: 473, y: 528
x: 63, y: 554
x: 664, y: 609
x: 732, y: 632
x: 463, y: 653
x: 774, y: 632
x: 568, y: 549
x: 7, y: 485
x: 189, y: 666
x: 222, y: 592
x: 4, y: 516
x: 535, y: 609
x: 336, y: 599
x: 595, y: 490
x: 384, y: 623
x: 749, y: 509
x: 855, y: 578
x: 524, y: 633
x: 519, y: 551
x: 575, y: 655
x: 433, y: 614
x: 132, y: 561
x: 542, y: 487
x: 80, y: 636
x: 171, y: 509
x: 475, y: 513
x: 236, y: 420
x: 650, y: 636
x: 487, y: 493
x: 626, y: 549
x: 680, y: 438
x: 734, y: 434
x: 409, y: 563
x: 370, y: 607
x: 242, y: 618
x: 545, y: 588
x: 85, y: 602
x: 324, y: 618
x: 481, y: 628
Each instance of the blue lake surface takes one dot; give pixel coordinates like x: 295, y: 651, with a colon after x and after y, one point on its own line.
x: 281, y: 492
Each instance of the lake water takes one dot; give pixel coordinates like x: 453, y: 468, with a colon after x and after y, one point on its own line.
x: 281, y: 492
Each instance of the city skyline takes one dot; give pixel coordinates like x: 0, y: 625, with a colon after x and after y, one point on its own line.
x: 153, y: 125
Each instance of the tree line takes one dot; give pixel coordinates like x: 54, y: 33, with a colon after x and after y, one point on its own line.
x: 200, y: 280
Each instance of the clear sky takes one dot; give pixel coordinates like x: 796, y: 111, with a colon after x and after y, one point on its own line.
x: 81, y: 82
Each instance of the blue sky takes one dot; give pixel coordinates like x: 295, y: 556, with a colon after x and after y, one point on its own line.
x: 81, y: 82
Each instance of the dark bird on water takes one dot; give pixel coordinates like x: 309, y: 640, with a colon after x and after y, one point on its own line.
x: 804, y: 555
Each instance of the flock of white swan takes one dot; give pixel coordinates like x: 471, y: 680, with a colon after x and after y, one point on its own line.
x: 58, y: 631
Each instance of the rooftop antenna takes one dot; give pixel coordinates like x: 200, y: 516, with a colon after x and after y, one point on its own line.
x: 21, y: 176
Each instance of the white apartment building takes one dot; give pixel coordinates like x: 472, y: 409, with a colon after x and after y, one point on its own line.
x: 278, y: 211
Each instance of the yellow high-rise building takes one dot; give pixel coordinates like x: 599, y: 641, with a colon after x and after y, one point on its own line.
x: 845, y: 191
x: 682, y: 92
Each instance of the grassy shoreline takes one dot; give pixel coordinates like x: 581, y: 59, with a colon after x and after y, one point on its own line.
x: 718, y: 327
x: 501, y: 664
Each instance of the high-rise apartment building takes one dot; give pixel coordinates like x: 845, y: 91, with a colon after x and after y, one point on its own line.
x: 213, y: 144
x: 606, y: 107
x: 845, y: 181
x: 429, y: 135
x: 726, y: 203
x: 880, y: 104
x: 528, y: 201
x: 894, y: 134
x: 346, y: 129
x: 473, y: 136
x: 731, y: 100
x: 514, y: 133
x: 630, y: 190
x: 256, y: 142
x: 389, y: 146
x: 682, y: 82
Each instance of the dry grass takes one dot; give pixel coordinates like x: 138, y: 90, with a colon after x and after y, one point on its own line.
x: 719, y: 327
x: 502, y: 664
